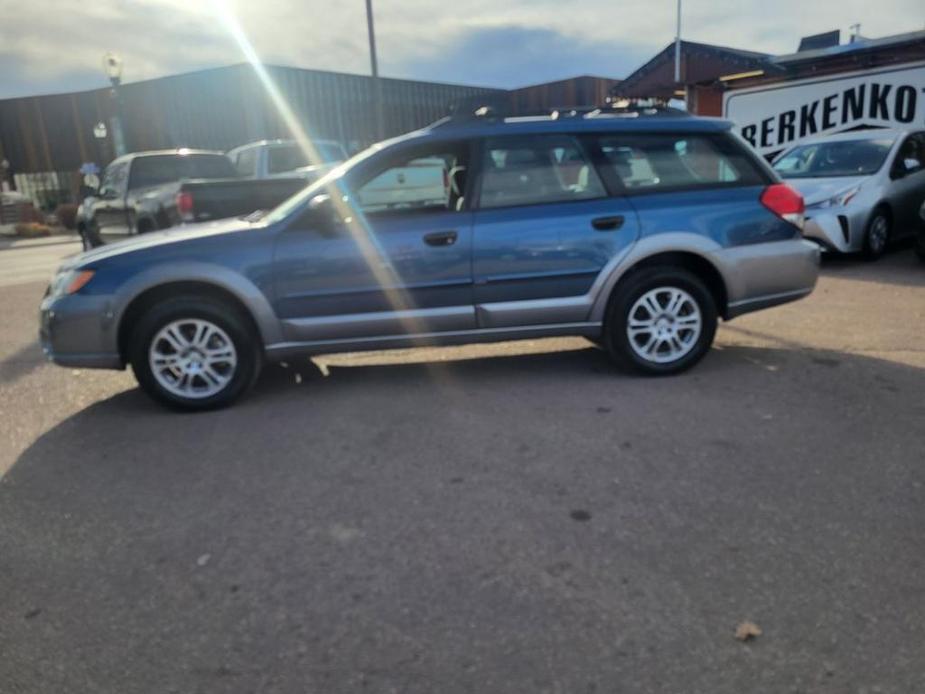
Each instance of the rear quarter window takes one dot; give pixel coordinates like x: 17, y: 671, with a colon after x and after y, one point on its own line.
x: 652, y: 163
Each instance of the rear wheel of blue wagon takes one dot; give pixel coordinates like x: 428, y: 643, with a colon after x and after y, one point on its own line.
x: 661, y: 321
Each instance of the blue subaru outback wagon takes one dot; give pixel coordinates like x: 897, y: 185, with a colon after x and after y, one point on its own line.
x: 636, y: 229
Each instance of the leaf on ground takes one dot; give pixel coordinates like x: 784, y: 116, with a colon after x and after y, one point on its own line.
x: 747, y: 631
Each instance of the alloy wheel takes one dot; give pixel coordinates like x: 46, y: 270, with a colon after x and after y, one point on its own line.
x: 192, y: 358
x: 664, y: 324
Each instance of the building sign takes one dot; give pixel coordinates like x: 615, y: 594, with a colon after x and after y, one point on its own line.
x: 774, y: 117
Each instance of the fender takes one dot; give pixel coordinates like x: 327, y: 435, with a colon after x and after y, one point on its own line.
x: 224, y: 278
x: 646, y: 247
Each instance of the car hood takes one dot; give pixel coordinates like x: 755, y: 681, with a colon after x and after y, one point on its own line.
x: 816, y: 190
x: 186, y: 232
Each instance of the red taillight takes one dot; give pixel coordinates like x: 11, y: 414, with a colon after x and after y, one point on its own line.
x: 185, y: 206
x: 785, y: 202
x: 446, y: 180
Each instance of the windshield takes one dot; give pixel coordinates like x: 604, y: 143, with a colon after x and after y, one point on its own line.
x: 841, y: 158
x: 292, y: 204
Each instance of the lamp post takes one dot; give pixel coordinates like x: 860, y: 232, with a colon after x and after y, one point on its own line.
x: 112, y: 66
x: 377, y: 83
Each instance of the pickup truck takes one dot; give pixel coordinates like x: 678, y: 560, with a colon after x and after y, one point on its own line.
x: 285, y: 158
x: 148, y: 191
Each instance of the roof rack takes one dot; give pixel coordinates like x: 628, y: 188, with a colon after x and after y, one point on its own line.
x: 478, y: 113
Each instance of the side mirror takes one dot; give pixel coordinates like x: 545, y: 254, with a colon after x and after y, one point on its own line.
x: 322, y: 214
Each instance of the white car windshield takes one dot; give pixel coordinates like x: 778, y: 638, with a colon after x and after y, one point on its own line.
x: 839, y: 158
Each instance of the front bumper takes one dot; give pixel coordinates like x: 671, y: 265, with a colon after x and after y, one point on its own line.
x: 762, y: 275
x: 78, y: 331
x: 835, y: 228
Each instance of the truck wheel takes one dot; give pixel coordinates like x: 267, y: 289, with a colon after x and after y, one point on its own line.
x: 193, y: 354
x: 89, y: 237
x: 877, y: 235
x: 660, y: 321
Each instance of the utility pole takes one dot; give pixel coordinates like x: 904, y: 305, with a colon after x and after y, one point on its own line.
x: 677, y: 48
x: 377, y: 83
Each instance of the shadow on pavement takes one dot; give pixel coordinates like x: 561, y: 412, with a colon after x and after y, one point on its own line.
x: 20, y: 363
x: 529, y: 522
x: 899, y: 266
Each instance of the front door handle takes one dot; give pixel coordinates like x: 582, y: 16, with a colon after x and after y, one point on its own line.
x: 608, y: 223
x: 441, y: 238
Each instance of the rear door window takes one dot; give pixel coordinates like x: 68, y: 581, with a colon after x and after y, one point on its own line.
x: 643, y: 163
x: 154, y: 170
x: 535, y: 170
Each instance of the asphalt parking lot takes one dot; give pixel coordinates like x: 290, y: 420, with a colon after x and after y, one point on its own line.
x: 508, y: 518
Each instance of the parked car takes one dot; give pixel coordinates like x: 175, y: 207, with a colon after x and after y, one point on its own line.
x: 285, y: 158
x: 148, y: 191
x: 862, y: 189
x: 638, y: 233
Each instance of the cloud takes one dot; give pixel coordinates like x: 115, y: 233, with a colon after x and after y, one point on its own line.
x: 57, y: 45
x: 512, y: 56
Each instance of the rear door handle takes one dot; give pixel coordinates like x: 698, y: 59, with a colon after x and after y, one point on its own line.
x: 441, y: 238
x: 608, y: 223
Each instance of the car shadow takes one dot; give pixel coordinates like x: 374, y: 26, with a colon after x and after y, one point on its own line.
x: 898, y: 266
x: 363, y: 520
x: 21, y: 362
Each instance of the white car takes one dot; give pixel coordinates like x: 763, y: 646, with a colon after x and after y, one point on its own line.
x: 862, y: 189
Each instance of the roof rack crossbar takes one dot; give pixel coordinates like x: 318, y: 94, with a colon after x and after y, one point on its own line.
x: 614, y: 108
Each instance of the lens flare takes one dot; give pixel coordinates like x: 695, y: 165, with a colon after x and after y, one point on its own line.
x: 355, y: 222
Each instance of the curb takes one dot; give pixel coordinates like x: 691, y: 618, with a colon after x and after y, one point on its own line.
x: 12, y: 243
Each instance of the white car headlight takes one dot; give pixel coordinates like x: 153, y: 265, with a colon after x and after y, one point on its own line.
x: 839, y: 200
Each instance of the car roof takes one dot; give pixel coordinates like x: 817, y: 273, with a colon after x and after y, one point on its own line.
x: 180, y: 151
x: 533, y: 125
x: 279, y: 142
x: 891, y: 134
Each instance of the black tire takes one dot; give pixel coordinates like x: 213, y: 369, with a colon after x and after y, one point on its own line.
x: 877, y: 234
x: 631, y: 290
x: 89, y: 237
x: 240, y: 377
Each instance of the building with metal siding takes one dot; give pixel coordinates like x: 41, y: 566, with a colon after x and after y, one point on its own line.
x: 584, y: 90
x: 710, y: 72
x: 214, y: 109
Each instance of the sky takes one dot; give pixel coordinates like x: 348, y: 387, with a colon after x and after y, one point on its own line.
x: 49, y: 46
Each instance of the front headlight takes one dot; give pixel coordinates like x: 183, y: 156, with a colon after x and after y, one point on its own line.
x: 70, y: 281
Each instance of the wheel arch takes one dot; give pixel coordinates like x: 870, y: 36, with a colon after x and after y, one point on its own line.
x: 693, y: 257
x: 234, y: 290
